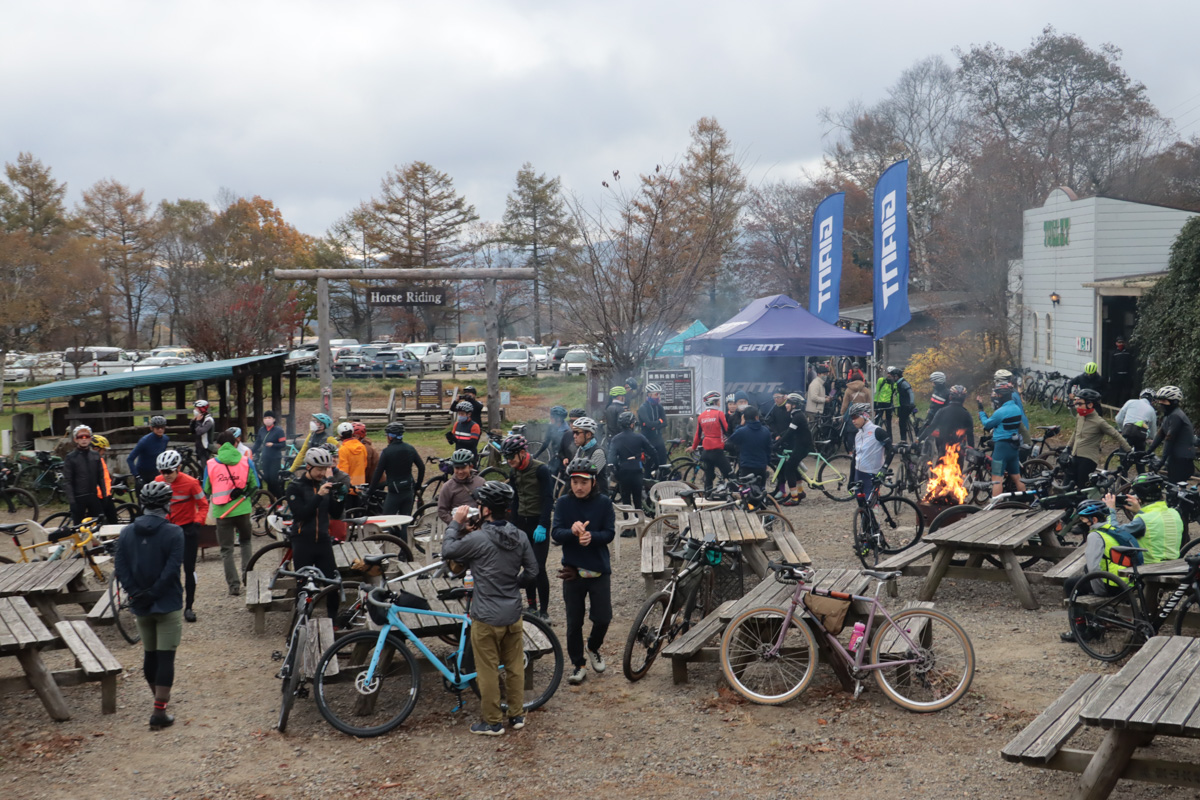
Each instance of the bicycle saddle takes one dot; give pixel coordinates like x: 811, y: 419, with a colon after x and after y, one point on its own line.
x: 15, y: 528
x: 379, y: 558
x: 453, y: 593
x: 1128, y: 551
x: 881, y: 576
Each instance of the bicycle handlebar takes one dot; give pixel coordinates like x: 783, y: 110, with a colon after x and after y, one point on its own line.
x: 307, y: 574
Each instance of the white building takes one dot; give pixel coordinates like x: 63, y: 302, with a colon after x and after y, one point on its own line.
x: 1084, y: 265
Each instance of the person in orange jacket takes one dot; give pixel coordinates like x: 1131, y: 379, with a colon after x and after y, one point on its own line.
x: 352, y: 455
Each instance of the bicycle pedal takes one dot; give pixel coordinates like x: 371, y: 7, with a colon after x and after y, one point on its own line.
x: 858, y: 687
x: 277, y: 656
x: 460, y: 705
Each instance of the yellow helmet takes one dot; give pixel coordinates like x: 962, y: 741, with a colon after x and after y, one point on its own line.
x: 100, y: 442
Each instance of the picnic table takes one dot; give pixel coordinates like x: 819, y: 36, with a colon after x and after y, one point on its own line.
x: 1002, y: 533
x: 264, y: 594
x: 48, y: 584
x: 1157, y: 693
x: 23, y: 635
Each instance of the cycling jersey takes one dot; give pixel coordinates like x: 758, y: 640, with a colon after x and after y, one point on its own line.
x: 711, y: 429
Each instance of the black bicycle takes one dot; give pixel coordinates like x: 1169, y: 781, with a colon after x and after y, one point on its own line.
x: 312, y: 587
x: 17, y: 500
x: 897, y: 527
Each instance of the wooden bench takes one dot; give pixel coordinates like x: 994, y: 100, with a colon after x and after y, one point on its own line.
x: 259, y: 597
x: 102, y: 612
x: 1039, y: 743
x: 93, y: 662
x: 894, y: 644
x: 904, y: 561
x: 688, y: 647
x: 654, y: 560
x: 318, y: 644
x: 1072, y: 566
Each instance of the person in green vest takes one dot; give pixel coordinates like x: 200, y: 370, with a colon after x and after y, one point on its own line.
x: 1103, y: 536
x: 1158, y: 527
x: 886, y: 397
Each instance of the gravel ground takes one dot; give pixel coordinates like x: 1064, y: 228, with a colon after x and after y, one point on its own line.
x: 606, y: 738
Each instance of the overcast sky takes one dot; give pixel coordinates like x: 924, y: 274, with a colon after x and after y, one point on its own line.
x: 309, y: 104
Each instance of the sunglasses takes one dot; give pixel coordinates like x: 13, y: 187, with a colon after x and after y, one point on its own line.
x: 83, y: 436
x: 168, y: 471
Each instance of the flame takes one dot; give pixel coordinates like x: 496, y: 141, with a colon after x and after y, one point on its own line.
x: 946, y: 479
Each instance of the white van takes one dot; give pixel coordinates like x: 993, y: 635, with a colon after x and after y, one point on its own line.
x: 94, y: 361
x: 470, y: 357
x: 430, y: 354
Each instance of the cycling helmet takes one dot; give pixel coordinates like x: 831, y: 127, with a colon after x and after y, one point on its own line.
x: 958, y: 392
x: 653, y: 388
x: 469, y: 390
x: 1091, y: 368
x: 494, y: 494
x: 585, y: 424
x: 158, y: 421
x: 324, y: 419
x: 235, y: 432
x: 1091, y: 508
x: 156, y: 494
x: 795, y: 398
x: 626, y: 418
x: 1146, y: 394
x: 730, y: 398
x: 860, y: 410
x: 394, y: 429
x: 937, y: 377
x: 360, y: 430
x: 559, y: 412
x: 462, y: 457
x: 1001, y: 375
x: 1088, y: 395
x: 345, y: 430
x: 1147, y: 486
x: 1172, y: 394
x: 168, y: 459
x: 712, y: 398
x: 895, y: 371
x: 100, y: 442
x: 582, y: 467
x: 464, y: 407
x: 1002, y: 391
x: 513, y: 444
x: 631, y: 384
x: 616, y: 391
x: 576, y: 413
x: 200, y: 404
x: 319, y: 457
x: 820, y: 369
x: 81, y: 429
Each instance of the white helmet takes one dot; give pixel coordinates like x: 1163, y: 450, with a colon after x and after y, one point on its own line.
x: 1172, y: 394
x: 345, y: 430
x: 653, y: 388
x: 937, y: 377
x: 712, y: 398
x: 1001, y: 375
x: 168, y: 459
x: 80, y: 429
x: 585, y: 424
x: 319, y: 457
x: 200, y: 404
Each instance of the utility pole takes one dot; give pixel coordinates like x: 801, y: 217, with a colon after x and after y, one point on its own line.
x: 324, y: 357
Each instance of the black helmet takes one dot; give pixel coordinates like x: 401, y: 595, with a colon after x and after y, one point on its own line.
x: 513, y: 443
x: 494, y: 494
x: 1088, y: 395
x: 582, y: 467
x: 394, y: 428
x: 625, y: 419
x: 470, y: 389
x: 1148, y: 486
x: 1091, y: 507
x: 156, y: 494
x: 576, y: 413
x: 958, y: 392
x: 631, y: 384
x: 558, y: 411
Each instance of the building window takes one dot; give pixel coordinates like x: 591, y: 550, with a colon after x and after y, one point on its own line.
x: 1049, y: 341
x: 1036, y: 344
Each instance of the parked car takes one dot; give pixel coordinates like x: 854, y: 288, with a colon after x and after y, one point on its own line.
x: 577, y: 362
x: 394, y: 363
x: 448, y: 356
x: 430, y: 354
x: 513, y: 344
x: 175, y: 352
x: 155, y: 362
x: 28, y: 369
x: 343, y: 342
x: 470, y: 357
x: 557, y: 354
x: 514, y: 362
x: 541, y: 357
x: 92, y: 361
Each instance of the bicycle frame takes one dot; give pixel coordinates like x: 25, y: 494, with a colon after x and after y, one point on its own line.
x: 70, y: 546
x: 394, y: 622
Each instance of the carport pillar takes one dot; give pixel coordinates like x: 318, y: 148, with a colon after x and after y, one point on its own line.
x: 491, y: 338
x: 324, y: 364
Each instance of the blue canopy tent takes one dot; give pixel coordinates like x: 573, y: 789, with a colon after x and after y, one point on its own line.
x: 673, y: 347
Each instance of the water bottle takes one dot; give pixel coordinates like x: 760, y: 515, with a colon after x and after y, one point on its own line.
x: 468, y: 580
x: 856, y: 636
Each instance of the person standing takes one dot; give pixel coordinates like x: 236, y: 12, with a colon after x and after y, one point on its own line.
x: 628, y: 451
x: 1176, y: 435
x: 202, y: 425
x: 459, y: 489
x: 188, y: 510
x: 318, y: 434
x: 712, y: 428
x: 149, y: 553
x: 466, y: 431
x: 1137, y: 420
x: 229, y: 482
x: 885, y: 398
x: 906, y: 399
x: 1090, y: 430
x: 872, y: 447
x: 314, y: 501
x: 554, y: 436
x: 360, y: 433
x: 616, y: 405
x: 797, y: 439
x: 533, y: 501
x: 1090, y: 378
x: 952, y: 424
x: 1121, y: 367
x: 937, y: 401
x: 777, y: 418
x: 583, y: 430
x: 397, y: 462
x: 83, y: 478
x: 501, y: 561
x: 101, y: 445
x: 653, y: 419
x: 816, y: 392
x: 352, y: 455
x: 753, y: 443
x: 145, y: 453
x: 1006, y: 450
x: 269, y: 445
x: 584, y: 525
x: 566, y: 445
x: 468, y: 395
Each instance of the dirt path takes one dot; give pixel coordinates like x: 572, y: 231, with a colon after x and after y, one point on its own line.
x: 607, y: 738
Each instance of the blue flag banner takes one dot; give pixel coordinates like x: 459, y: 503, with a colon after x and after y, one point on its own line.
x: 890, y: 288
x: 825, y: 268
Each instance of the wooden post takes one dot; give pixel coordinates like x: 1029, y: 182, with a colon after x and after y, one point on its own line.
x: 277, y: 396
x: 155, y: 398
x: 491, y: 328
x: 324, y: 357
x: 349, y: 403
x: 181, y: 400
x: 291, y: 414
x: 222, y: 405
x: 240, y: 389
x: 258, y: 400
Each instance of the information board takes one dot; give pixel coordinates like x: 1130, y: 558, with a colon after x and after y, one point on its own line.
x: 676, y: 390
x: 429, y: 395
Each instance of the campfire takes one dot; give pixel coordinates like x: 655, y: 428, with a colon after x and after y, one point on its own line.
x: 946, y: 486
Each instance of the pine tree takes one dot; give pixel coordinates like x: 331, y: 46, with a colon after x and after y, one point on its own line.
x: 536, y: 222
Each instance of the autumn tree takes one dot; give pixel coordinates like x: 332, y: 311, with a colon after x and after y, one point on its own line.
x: 182, y: 229
x: 33, y: 200
x: 537, y: 224
x: 491, y: 248
x: 124, y: 230
x: 351, y: 244
x: 419, y: 222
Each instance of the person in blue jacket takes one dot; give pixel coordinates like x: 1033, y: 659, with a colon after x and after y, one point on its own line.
x: 753, y: 443
x: 269, y: 444
x: 1005, y: 421
x: 144, y: 456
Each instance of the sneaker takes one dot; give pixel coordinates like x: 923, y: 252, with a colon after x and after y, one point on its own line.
x: 486, y: 729
x: 790, y: 500
x: 160, y: 721
x: 516, y: 723
x: 597, y: 661
x: 234, y: 590
x: 578, y: 676
x: 189, y: 615
x: 542, y: 615
x: 1068, y: 637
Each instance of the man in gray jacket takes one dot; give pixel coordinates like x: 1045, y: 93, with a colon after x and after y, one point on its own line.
x: 501, y: 561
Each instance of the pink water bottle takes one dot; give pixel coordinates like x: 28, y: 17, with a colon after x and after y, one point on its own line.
x: 856, y: 636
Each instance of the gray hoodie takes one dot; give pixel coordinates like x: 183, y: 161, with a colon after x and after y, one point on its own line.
x: 496, y: 553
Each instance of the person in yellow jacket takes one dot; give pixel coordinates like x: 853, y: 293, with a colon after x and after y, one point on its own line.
x: 352, y: 455
x: 318, y: 434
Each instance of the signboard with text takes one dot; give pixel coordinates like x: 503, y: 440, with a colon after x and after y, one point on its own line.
x: 429, y: 395
x: 399, y: 296
x: 676, y: 390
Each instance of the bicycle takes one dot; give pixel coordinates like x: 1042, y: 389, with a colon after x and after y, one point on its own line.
x: 686, y: 598
x: 43, y: 479
x: 833, y: 474
x: 311, y: 584
x: 17, y: 500
x: 1109, y: 627
x: 910, y: 476
x: 368, y: 682
x: 900, y: 529
x: 921, y: 658
x: 278, y: 555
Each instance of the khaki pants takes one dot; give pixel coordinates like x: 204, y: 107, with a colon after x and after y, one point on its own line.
x: 496, y: 645
x: 225, y: 530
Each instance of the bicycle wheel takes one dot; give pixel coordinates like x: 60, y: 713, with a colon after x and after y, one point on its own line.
x: 56, y: 520
x: 43, y: 491
x: 865, y: 538
x: 262, y: 504
x: 431, y: 489
x: 22, y: 503
x: 945, y: 660
x: 421, y: 528
x: 1035, y: 468
x: 122, y: 614
x: 291, y: 675
x: 774, y: 522
x: 755, y: 668
x: 1106, y: 628
x: 687, y: 470
x: 390, y: 543
x: 355, y: 706
x: 668, y: 527
x: 269, y: 557
x: 646, y: 636
x: 127, y: 513
x: 834, y: 477
x: 1188, y: 603
x: 495, y: 474
x: 900, y: 524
